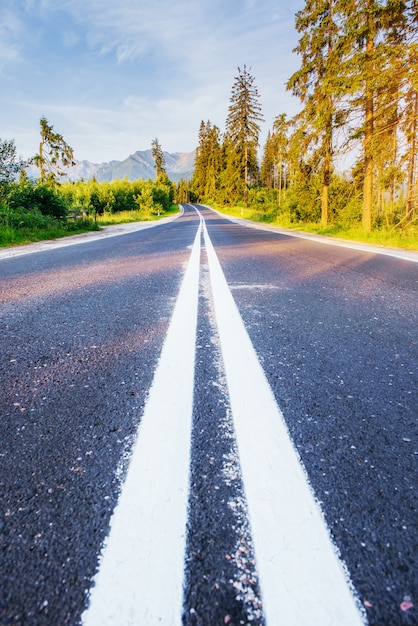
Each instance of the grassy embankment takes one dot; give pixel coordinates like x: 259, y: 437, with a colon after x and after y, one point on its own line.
x: 407, y: 239
x: 48, y: 229
x: 10, y: 236
x: 125, y: 217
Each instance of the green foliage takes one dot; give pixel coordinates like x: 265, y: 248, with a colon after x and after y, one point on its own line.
x: 243, y: 128
x: 208, y: 163
x: 157, y: 153
x: 20, y: 217
x: 264, y: 204
x: 184, y: 193
x: 119, y: 195
x: 10, y: 164
x: 32, y: 211
x: 32, y: 197
x: 162, y: 195
x: 358, y: 84
x: 145, y: 202
x: 54, y: 153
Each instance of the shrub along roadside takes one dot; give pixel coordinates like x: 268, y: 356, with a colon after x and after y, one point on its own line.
x: 383, y: 236
x: 32, y: 211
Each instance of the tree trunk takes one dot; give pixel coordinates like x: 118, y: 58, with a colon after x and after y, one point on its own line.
x: 325, y: 216
x: 246, y: 176
x: 325, y: 192
x: 41, y: 163
x: 411, y: 165
x: 368, y: 133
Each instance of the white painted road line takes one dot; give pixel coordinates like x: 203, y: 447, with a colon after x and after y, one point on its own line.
x: 140, y: 580
x: 302, y: 579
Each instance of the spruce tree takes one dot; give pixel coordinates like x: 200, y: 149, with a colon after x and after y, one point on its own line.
x: 315, y: 83
x: 407, y: 72
x: 355, y: 74
x: 54, y: 152
x: 207, y: 162
x: 274, y: 164
x: 243, y: 129
x: 267, y: 163
x: 281, y: 146
x: 158, y: 155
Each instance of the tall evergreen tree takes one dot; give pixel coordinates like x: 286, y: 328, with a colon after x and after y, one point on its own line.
x: 411, y: 130
x: 274, y: 165
x: 207, y: 162
x: 315, y: 83
x: 369, y: 27
x: 158, y: 155
x: 407, y: 72
x: 281, y: 143
x: 243, y: 127
x: 267, y: 162
x: 54, y: 152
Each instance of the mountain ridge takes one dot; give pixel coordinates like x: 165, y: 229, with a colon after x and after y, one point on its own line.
x: 139, y: 165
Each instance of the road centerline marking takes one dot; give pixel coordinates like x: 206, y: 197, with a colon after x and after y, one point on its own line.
x: 302, y: 578
x: 140, y: 577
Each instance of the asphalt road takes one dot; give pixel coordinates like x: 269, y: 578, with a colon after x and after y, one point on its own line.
x: 82, y: 328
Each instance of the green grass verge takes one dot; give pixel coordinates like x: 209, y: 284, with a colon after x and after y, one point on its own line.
x: 20, y: 236
x: 125, y: 217
x: 407, y: 239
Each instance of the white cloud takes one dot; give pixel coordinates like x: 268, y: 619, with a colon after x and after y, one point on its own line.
x: 122, y: 73
x: 10, y: 32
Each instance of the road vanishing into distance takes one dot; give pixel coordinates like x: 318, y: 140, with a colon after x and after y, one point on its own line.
x: 205, y: 423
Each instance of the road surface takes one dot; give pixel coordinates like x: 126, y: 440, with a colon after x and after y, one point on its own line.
x: 205, y: 423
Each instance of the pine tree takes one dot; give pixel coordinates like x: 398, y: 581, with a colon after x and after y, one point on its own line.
x: 207, y: 162
x: 315, y: 83
x: 372, y: 40
x: 274, y: 165
x: 54, y: 152
x: 411, y: 130
x: 230, y: 186
x: 200, y: 164
x: 409, y: 118
x: 158, y: 155
x: 281, y: 146
x: 267, y: 162
x: 243, y: 129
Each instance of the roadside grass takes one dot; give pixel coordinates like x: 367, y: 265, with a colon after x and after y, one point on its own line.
x: 126, y: 217
x: 407, y: 239
x: 10, y: 236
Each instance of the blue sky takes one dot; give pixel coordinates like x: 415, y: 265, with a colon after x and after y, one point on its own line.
x: 111, y: 75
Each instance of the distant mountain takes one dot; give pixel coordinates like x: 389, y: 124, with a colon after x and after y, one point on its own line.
x: 139, y: 165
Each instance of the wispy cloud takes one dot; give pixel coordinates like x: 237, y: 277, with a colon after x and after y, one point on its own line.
x: 10, y: 33
x: 113, y: 75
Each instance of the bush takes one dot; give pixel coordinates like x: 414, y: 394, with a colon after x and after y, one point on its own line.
x: 29, y: 196
x: 22, y: 218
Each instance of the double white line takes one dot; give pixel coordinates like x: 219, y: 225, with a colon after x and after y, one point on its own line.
x: 140, y: 578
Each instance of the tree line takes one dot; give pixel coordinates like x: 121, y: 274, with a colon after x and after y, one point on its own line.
x: 52, y: 207
x: 357, y: 85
